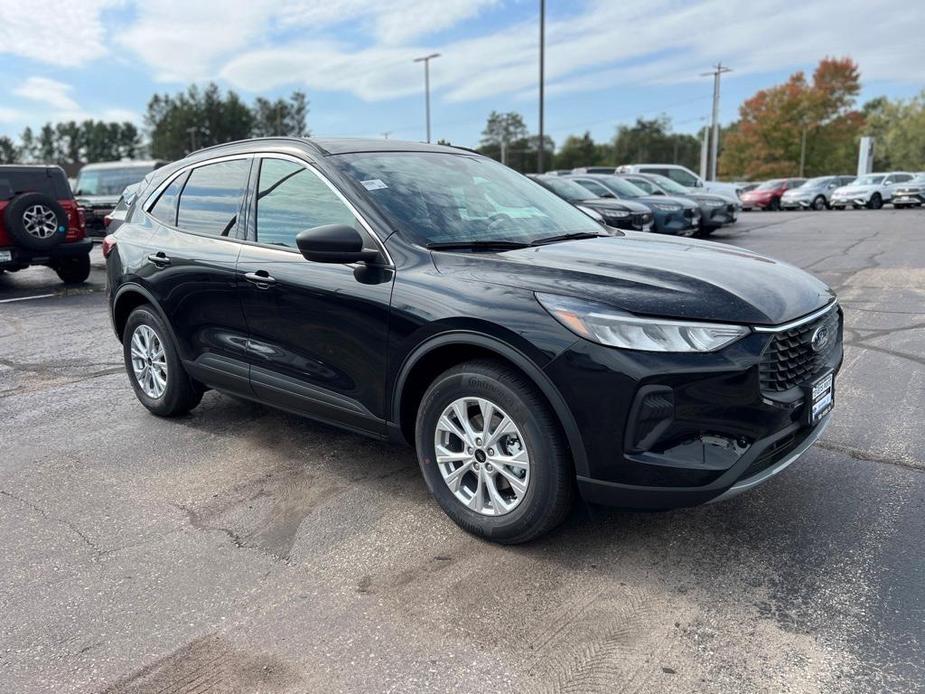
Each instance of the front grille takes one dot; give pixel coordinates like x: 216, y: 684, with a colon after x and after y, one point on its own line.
x: 790, y: 360
x: 640, y: 220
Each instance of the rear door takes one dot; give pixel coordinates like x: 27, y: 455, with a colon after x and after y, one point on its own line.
x: 190, y: 268
x: 317, y: 331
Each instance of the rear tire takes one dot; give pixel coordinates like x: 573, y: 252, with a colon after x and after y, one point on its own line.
x: 74, y: 270
x: 164, y: 387
x: 533, y: 495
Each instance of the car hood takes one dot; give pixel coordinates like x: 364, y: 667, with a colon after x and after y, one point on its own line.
x: 856, y: 190
x: 801, y: 192
x: 652, y: 199
x: 655, y: 276
x: 612, y: 204
x: 97, y: 200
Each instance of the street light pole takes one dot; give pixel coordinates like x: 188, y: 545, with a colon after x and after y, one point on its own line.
x: 718, y: 70
x: 541, y: 155
x: 426, y: 60
x: 192, y: 135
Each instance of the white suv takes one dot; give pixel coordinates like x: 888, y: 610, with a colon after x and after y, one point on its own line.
x: 870, y: 190
x: 686, y: 177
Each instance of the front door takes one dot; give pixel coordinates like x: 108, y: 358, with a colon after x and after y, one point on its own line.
x: 317, y: 331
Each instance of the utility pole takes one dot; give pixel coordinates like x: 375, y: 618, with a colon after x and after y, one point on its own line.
x: 718, y: 70
x: 426, y: 60
x: 704, y: 148
x: 802, y: 150
x: 385, y: 135
x: 192, y: 137
x: 541, y: 155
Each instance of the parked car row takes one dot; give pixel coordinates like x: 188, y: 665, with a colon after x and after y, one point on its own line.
x: 643, y: 202
x: 901, y: 188
x: 679, y: 174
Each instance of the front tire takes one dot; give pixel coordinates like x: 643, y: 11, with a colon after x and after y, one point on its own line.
x: 876, y: 202
x: 492, y: 453
x: 819, y: 203
x: 154, y: 369
x: 74, y: 270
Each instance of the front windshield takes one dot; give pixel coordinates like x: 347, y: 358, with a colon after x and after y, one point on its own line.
x: 458, y: 198
x: 109, y: 181
x: 670, y: 186
x: 569, y: 190
x: 814, y: 183
x: 919, y: 179
x: 622, y: 188
x: 868, y: 180
x: 771, y: 185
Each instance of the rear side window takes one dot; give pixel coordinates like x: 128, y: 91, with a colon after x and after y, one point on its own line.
x: 165, y: 209
x: 682, y: 177
x: 211, y: 199
x: 290, y: 199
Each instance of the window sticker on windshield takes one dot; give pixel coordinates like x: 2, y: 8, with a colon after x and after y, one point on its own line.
x: 373, y: 184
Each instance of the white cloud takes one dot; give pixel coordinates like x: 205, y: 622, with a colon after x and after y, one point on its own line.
x: 10, y: 115
x: 68, y: 33
x: 48, y: 91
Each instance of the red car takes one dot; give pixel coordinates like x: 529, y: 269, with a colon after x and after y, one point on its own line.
x: 767, y: 195
x: 41, y: 224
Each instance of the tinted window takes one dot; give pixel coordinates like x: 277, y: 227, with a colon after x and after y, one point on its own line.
x: 165, y: 209
x: 645, y: 184
x: 212, y: 197
x: 594, y: 187
x: 51, y: 182
x: 290, y: 199
x: 682, y: 177
x: 569, y: 190
x: 901, y: 178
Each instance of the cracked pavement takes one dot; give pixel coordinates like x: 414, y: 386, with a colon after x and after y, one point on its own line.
x: 242, y: 549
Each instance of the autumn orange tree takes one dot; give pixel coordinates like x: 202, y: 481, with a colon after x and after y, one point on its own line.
x: 816, y: 119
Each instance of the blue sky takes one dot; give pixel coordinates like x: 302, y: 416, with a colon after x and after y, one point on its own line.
x: 608, y: 61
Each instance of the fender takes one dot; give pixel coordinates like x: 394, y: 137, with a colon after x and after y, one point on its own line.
x: 138, y: 289
x: 520, y: 360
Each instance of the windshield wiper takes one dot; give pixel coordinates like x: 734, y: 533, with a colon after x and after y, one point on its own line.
x: 568, y: 237
x: 498, y: 244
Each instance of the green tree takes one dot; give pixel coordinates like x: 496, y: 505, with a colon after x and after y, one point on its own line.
x: 47, y: 151
x: 579, y: 150
x: 503, y: 133
x: 898, y: 129
x: 196, y: 118
x: 27, y: 145
x: 651, y: 141
x: 283, y: 117
x: 9, y: 153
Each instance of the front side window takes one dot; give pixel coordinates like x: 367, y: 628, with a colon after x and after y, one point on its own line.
x: 290, y: 199
x: 458, y: 198
x: 595, y: 187
x: 646, y: 185
x: 211, y: 199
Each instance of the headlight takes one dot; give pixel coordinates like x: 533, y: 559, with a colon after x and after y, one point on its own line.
x: 713, y: 203
x: 593, y: 214
x: 616, y: 214
x: 665, y: 207
x: 615, y: 328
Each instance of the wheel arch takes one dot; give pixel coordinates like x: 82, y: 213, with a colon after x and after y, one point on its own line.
x: 127, y: 299
x: 445, y: 350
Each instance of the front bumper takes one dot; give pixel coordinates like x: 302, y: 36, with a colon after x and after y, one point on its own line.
x: 901, y: 197
x: 714, y: 217
x: 24, y: 257
x: 796, y: 203
x: 662, y: 431
x: 682, y: 223
x: 845, y: 200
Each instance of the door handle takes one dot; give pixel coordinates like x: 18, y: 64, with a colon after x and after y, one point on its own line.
x: 261, y: 278
x: 160, y: 259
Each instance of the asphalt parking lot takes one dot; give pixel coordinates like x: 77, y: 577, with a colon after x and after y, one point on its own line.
x: 242, y: 549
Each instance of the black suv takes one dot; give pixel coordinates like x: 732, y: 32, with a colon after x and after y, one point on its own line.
x: 429, y: 294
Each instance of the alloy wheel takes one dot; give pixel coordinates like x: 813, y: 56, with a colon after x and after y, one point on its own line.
x: 149, y: 361
x: 40, y: 221
x: 482, y: 456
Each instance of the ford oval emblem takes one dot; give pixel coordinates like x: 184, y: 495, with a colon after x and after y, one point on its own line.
x: 820, y: 338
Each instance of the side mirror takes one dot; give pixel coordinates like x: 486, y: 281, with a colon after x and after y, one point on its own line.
x: 334, y: 243
x: 698, y: 183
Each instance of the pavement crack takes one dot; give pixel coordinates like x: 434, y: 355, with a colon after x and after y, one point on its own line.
x: 866, y: 456
x: 97, y: 550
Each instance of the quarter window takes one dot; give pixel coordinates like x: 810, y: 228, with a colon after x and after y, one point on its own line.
x: 211, y: 199
x: 290, y: 199
x: 165, y: 209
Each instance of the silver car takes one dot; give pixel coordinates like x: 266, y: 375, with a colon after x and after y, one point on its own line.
x: 815, y: 194
x: 870, y: 190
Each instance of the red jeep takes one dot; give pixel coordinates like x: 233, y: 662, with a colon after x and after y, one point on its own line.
x: 40, y: 223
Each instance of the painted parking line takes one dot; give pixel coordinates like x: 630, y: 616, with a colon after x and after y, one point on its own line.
x: 26, y: 298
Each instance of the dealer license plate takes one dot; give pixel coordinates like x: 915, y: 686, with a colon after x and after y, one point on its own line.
x: 821, y: 398
x: 6, y: 256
